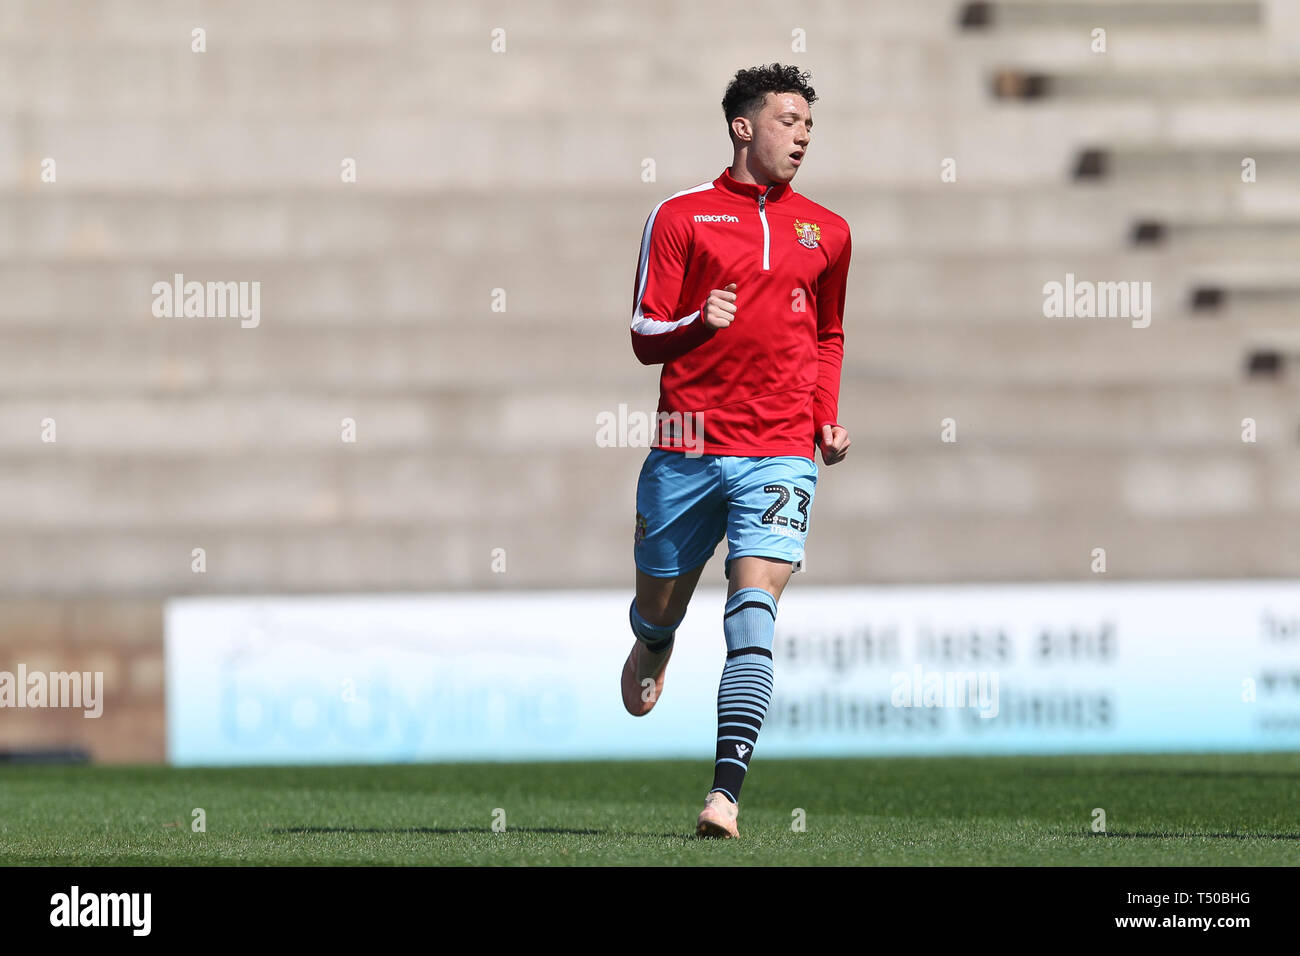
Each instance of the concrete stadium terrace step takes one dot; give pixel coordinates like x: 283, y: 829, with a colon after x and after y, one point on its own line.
x: 252, y: 560
x: 302, y: 225
x: 313, y: 489
x: 244, y: 425
x: 608, y: 319
x: 160, y: 495
x: 1048, y: 352
x: 1166, y: 483
x: 1234, y: 236
x: 315, y: 83
x: 585, y: 35
x: 939, y: 288
x: 1016, y: 266
x: 320, y: 291
x: 1227, y: 124
x: 1198, y: 164
x: 900, y: 145
x: 917, y: 549
x: 348, y: 291
x: 476, y: 430
x: 1133, y: 416
x: 1134, y: 48
x: 1224, y: 291
x: 1168, y: 85
x: 174, y: 359
x: 390, y: 23
x: 271, y: 81
x: 901, y: 548
x: 1066, y: 14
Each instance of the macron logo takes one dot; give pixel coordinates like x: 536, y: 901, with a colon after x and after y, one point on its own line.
x: 716, y: 219
x: 741, y: 750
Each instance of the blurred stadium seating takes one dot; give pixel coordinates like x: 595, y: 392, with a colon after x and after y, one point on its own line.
x: 522, y: 171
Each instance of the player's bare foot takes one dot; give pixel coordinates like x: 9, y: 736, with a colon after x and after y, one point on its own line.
x: 639, y: 671
x: 718, y: 818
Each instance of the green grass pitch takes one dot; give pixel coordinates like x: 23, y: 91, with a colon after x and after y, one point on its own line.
x: 1160, y: 810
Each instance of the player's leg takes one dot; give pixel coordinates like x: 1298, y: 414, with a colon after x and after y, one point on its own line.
x: 756, y: 571
x: 681, y: 518
x: 769, y: 503
x: 658, y: 609
x: 663, y: 601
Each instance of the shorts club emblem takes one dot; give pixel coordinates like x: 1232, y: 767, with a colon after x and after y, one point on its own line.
x: 809, y: 233
x: 639, y: 536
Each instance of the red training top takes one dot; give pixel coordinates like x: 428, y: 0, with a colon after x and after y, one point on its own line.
x: 767, y: 383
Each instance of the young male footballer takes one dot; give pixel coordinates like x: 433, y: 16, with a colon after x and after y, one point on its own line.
x: 740, y: 295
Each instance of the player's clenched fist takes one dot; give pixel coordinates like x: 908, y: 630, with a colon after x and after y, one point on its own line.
x: 720, y: 307
x: 834, y: 442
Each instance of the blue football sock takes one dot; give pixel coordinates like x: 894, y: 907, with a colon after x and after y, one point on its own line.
x: 749, y: 624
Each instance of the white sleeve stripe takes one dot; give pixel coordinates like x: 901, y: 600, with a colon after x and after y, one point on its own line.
x: 644, y: 326
x: 640, y: 323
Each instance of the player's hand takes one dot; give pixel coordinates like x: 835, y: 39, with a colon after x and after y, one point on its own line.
x: 834, y: 442
x: 720, y: 307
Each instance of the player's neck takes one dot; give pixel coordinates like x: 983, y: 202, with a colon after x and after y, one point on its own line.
x: 741, y: 173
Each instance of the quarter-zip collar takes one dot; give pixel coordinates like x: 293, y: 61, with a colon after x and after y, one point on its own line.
x: 752, y: 191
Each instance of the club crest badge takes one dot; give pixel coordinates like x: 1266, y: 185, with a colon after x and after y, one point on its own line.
x: 809, y: 233
x: 639, y: 536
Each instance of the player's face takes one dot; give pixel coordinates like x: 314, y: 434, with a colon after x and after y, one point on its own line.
x: 782, y: 130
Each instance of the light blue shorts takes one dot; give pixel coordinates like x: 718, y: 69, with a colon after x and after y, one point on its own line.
x: 686, y: 505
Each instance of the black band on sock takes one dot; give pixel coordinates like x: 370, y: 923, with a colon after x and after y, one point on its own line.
x: 739, y: 608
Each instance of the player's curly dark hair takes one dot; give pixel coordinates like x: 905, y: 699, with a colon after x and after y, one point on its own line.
x: 748, y: 88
